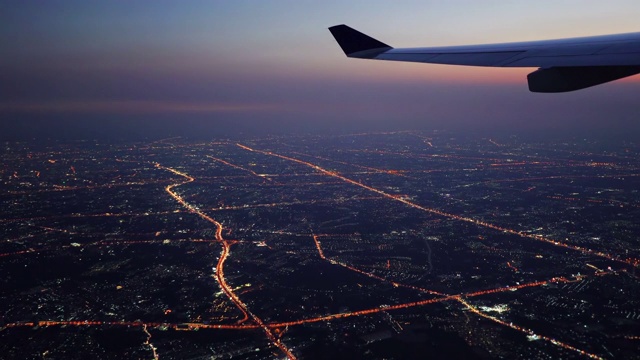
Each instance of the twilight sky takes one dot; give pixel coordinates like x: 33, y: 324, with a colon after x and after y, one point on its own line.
x: 157, y: 67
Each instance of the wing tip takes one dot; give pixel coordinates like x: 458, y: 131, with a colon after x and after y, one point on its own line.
x: 357, y: 44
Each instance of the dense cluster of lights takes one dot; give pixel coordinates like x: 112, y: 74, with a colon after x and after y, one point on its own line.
x: 273, y: 330
x: 448, y: 297
x: 586, y: 251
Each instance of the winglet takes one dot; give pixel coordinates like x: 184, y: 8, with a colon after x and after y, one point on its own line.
x: 356, y: 44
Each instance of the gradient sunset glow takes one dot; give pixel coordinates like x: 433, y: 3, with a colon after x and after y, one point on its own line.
x: 275, y: 63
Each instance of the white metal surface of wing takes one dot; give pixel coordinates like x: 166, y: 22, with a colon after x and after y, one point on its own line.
x: 564, y: 65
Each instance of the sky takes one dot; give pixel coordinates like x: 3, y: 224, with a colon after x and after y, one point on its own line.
x: 211, y: 68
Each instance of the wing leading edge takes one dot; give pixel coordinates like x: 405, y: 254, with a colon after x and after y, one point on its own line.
x: 564, y: 65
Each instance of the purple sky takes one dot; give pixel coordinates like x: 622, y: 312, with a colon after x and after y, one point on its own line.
x: 273, y: 65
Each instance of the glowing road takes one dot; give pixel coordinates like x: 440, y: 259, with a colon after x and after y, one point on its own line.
x: 583, y: 250
x: 226, y: 245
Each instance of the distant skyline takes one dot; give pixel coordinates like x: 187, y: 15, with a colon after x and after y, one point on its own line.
x: 213, y: 67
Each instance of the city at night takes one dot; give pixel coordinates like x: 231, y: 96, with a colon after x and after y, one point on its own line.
x: 289, y: 180
x: 381, y: 245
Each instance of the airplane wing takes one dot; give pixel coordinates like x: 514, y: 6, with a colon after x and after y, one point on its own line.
x: 564, y: 65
